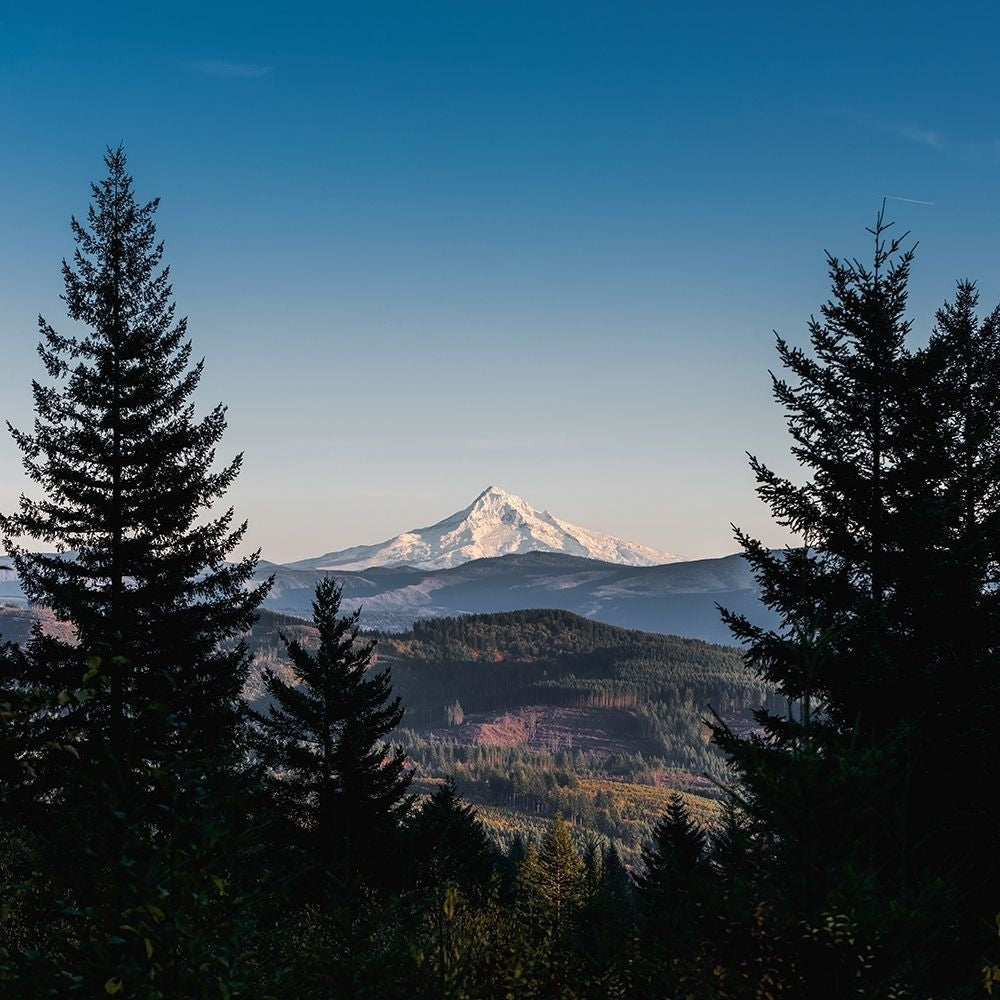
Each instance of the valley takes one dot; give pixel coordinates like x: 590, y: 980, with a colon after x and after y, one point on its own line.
x: 538, y: 711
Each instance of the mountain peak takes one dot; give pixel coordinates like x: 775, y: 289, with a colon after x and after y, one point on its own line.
x: 496, y: 523
x: 496, y: 502
x: 494, y: 491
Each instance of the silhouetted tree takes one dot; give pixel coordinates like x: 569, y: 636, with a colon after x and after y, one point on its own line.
x: 676, y: 853
x: 672, y: 889
x: 607, y: 919
x: 449, y: 845
x: 16, y: 706
x: 887, y: 624
x: 323, y: 740
x: 834, y: 657
x: 127, y: 760
x: 126, y: 473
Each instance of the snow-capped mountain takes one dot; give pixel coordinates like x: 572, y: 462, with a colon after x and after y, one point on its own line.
x: 495, y: 524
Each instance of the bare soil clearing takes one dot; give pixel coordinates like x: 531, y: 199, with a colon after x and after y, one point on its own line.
x: 598, y: 732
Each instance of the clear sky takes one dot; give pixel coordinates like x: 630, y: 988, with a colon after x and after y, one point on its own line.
x: 426, y: 247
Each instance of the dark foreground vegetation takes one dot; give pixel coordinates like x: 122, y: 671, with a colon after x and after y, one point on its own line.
x: 159, y: 838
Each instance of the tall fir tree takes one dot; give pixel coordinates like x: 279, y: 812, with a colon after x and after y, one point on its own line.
x: 672, y: 889
x: 953, y: 606
x: 677, y: 852
x: 607, y: 920
x: 127, y: 474
x: 123, y: 768
x: 554, y: 875
x: 844, y: 407
x: 323, y: 740
x: 886, y: 628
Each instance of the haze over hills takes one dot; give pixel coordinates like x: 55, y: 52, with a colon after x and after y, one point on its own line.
x: 498, y: 555
x: 496, y: 523
x: 10, y: 586
x: 677, y: 598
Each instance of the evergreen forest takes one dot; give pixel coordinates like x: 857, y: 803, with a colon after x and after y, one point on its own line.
x: 200, y: 800
x: 533, y: 713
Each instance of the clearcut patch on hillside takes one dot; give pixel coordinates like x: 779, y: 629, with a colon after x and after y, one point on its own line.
x: 597, y: 732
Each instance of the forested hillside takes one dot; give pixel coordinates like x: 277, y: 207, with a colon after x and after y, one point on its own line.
x: 499, y: 662
x: 537, y: 711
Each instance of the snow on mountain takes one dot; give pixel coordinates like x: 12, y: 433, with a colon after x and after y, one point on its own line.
x: 497, y: 523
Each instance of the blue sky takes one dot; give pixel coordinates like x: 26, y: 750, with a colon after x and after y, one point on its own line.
x: 429, y: 247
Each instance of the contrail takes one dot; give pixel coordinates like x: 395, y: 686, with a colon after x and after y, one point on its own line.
x: 912, y: 201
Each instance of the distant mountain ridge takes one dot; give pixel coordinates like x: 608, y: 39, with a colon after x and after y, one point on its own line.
x: 676, y: 598
x: 520, y: 563
x: 496, y: 523
x: 679, y: 598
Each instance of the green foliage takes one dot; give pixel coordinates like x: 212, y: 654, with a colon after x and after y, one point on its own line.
x: 504, y: 662
x: 449, y: 845
x: 553, y: 876
x: 677, y: 852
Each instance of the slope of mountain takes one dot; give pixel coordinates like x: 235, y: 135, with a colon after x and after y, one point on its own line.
x: 536, y: 711
x: 677, y: 598
x: 496, y: 523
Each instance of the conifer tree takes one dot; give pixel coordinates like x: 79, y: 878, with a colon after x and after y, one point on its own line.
x: 835, y: 657
x: 123, y: 783
x: 554, y: 873
x: 952, y: 517
x: 126, y: 473
x: 607, y: 921
x: 845, y: 408
x: 676, y: 853
x: 449, y: 844
x: 323, y: 740
x: 672, y: 890
x: 886, y: 635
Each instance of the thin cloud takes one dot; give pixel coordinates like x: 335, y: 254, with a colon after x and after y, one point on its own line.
x: 230, y: 70
x: 925, y: 136
x: 931, y: 137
